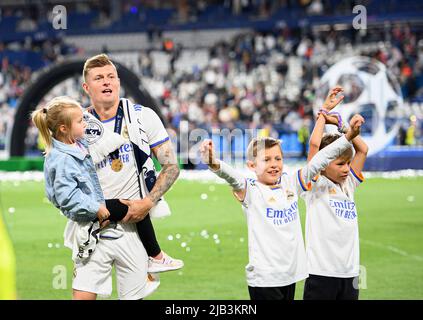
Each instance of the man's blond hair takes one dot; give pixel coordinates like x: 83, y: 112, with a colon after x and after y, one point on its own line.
x: 97, y: 61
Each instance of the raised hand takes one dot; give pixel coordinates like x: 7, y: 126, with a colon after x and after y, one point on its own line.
x: 355, y: 125
x: 331, y: 100
x: 208, y: 154
x: 331, y: 118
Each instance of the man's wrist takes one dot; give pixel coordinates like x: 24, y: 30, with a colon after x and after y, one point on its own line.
x: 151, y: 200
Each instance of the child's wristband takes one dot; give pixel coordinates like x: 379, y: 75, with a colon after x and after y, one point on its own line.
x: 320, y: 112
x: 339, y: 119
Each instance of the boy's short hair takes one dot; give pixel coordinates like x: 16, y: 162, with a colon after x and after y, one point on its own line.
x: 258, y: 144
x: 97, y: 61
x: 328, y: 138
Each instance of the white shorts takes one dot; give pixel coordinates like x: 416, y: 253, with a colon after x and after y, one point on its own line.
x: 130, y: 259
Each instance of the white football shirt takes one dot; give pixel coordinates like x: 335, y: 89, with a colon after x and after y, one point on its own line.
x: 124, y: 184
x: 332, y: 241
x: 275, y: 242
x: 276, y: 250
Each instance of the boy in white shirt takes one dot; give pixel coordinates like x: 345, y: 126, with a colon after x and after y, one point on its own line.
x: 332, y: 242
x: 277, y: 258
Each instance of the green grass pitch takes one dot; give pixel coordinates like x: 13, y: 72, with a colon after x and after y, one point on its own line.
x: 390, y: 222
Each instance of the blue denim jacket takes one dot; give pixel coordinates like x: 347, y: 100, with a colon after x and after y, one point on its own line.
x: 71, y: 182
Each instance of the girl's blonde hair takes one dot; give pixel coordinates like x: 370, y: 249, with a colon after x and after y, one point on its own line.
x: 48, y: 120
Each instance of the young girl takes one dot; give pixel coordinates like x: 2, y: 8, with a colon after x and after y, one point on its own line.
x: 70, y: 179
x: 332, y: 241
x: 277, y: 258
x: 73, y: 187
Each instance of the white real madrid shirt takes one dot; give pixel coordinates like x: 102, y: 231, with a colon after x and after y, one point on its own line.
x: 275, y: 242
x: 276, y: 250
x: 332, y: 240
x: 124, y: 184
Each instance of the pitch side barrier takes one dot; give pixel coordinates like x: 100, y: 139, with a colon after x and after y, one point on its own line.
x: 396, y: 158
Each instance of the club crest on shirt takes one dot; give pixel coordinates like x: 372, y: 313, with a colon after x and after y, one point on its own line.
x: 93, y: 131
x: 271, y: 200
x: 332, y: 191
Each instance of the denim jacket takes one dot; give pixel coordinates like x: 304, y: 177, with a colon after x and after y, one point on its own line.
x: 71, y: 182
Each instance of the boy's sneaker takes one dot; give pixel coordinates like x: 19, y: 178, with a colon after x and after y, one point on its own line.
x: 167, y: 263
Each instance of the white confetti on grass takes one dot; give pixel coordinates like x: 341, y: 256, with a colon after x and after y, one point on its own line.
x: 203, y: 233
x: 217, y: 241
x: 204, y: 196
x: 50, y: 245
x: 212, y: 188
x: 215, y: 236
x: 241, y: 239
x: 183, y: 244
x: 188, y: 249
x: 410, y: 198
x: 12, y: 210
x: 57, y: 245
x: 170, y: 237
x: 178, y: 236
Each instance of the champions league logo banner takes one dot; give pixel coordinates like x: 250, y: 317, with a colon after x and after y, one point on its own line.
x: 370, y: 90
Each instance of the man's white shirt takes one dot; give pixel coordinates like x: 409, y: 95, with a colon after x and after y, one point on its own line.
x: 332, y: 239
x: 124, y: 184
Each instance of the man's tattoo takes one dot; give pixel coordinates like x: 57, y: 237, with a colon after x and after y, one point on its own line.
x: 169, y: 173
x: 166, y: 178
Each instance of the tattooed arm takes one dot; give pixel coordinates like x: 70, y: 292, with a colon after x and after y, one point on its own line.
x: 169, y: 173
x: 138, y: 209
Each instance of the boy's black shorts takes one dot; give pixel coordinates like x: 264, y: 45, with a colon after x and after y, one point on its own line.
x: 330, y: 288
x: 272, y: 293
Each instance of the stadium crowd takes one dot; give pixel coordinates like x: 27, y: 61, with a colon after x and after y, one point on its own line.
x: 250, y: 82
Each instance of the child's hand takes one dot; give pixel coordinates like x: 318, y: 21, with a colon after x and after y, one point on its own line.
x: 103, y: 213
x: 331, y: 119
x: 355, y: 125
x: 331, y: 100
x: 208, y: 154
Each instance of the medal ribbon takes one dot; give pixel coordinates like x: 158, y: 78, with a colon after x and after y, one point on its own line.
x: 118, y: 127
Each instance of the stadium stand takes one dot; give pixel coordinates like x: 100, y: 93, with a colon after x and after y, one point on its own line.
x: 219, y: 64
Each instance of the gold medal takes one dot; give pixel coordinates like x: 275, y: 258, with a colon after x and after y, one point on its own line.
x: 125, y: 132
x: 117, y: 165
